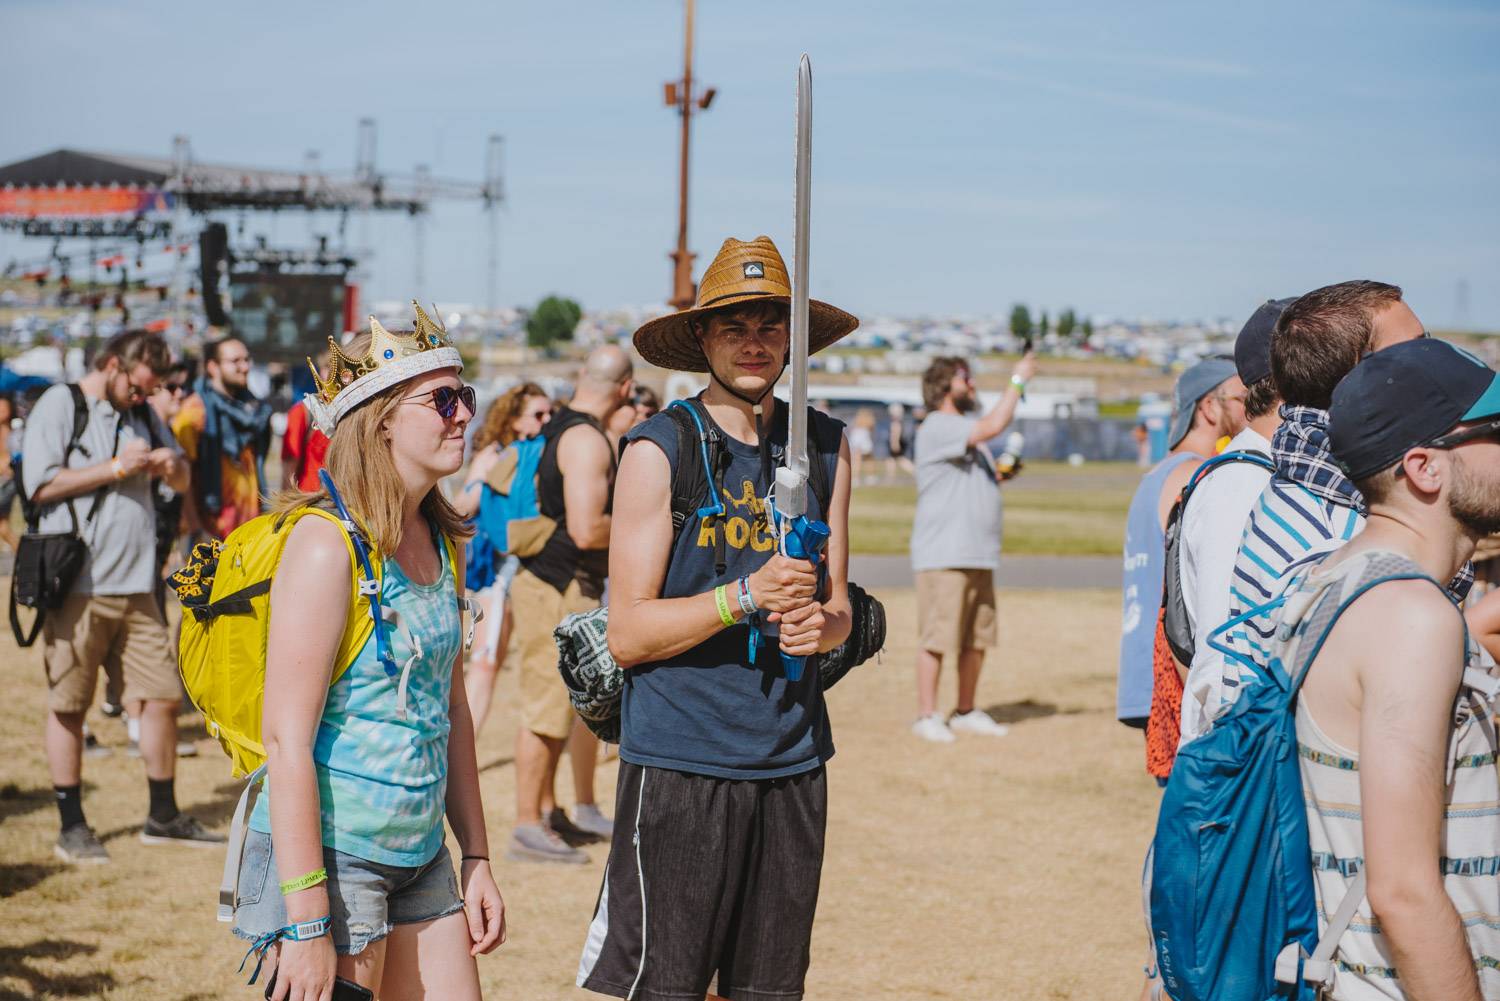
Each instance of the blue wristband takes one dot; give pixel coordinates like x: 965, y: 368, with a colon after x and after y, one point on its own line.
x: 302, y: 931
x: 305, y: 930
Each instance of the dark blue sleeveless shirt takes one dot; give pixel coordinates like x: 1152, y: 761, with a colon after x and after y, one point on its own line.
x: 708, y: 711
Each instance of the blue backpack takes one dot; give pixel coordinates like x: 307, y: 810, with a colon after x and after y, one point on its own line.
x: 1233, y: 907
x: 491, y: 542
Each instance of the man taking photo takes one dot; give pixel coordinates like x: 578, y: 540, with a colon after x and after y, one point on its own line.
x: 955, y: 540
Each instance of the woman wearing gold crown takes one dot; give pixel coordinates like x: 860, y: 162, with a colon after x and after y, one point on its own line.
x: 362, y: 772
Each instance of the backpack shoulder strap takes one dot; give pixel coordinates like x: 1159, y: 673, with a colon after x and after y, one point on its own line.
x: 821, y: 426
x: 80, y: 421
x: 698, y: 451
x: 1251, y: 456
x: 1319, y: 615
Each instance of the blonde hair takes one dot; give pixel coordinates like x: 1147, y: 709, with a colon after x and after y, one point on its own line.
x: 360, y: 463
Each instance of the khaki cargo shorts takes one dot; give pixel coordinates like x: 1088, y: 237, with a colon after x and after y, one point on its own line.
x: 118, y: 632
x: 956, y: 610
x: 536, y: 610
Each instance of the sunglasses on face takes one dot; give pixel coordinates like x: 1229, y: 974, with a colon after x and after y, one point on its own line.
x: 174, y: 388
x: 445, y: 400
x: 1489, y: 429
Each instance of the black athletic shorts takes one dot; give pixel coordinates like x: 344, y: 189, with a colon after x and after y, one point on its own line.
x: 710, y: 881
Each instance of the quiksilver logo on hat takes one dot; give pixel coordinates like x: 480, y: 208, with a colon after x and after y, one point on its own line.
x: 755, y: 269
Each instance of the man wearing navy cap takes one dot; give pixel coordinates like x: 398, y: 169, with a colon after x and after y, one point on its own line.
x: 1215, y: 520
x: 1208, y: 404
x: 1391, y: 728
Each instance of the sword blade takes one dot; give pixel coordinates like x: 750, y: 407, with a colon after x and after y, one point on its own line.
x: 796, y: 454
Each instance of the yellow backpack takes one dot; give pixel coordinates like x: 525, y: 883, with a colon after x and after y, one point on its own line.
x: 225, y: 591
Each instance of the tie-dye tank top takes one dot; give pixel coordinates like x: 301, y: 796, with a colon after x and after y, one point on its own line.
x: 382, y: 779
x: 1364, y: 969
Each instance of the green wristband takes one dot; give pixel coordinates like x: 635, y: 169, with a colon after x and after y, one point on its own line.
x: 721, y: 599
x: 304, y: 881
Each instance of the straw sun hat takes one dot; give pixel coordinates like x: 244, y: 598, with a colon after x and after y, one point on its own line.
x: 740, y: 273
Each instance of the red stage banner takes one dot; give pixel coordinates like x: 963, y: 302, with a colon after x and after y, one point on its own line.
x: 35, y: 203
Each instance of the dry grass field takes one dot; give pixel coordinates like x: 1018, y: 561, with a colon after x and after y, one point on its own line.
x: 986, y: 869
x: 1051, y: 509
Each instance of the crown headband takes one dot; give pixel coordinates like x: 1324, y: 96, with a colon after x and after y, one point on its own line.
x: 391, y: 359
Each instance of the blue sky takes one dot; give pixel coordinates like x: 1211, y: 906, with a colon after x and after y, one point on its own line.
x: 1165, y: 160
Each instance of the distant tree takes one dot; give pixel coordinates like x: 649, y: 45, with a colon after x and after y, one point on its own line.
x: 1066, y: 323
x: 1020, y: 321
x: 553, y: 320
x: 1043, y: 325
x: 1088, y: 331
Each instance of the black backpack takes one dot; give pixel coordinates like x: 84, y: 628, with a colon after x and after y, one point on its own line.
x: 1175, y: 621
x: 48, y: 563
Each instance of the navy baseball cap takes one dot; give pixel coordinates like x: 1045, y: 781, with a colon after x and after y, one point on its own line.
x: 1193, y: 385
x: 1252, y: 348
x: 1403, y: 397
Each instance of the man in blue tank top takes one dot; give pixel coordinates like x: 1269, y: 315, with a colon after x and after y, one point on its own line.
x: 1208, y: 403
x: 713, y: 873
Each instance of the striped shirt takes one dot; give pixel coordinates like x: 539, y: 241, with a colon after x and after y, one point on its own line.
x: 1288, y: 526
x: 1364, y: 969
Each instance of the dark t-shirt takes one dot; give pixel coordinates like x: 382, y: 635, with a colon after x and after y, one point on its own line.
x: 709, y: 711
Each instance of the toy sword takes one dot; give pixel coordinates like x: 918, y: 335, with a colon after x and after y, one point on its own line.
x: 800, y: 538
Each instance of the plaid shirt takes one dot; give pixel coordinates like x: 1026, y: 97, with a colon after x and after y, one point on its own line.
x: 1300, y: 449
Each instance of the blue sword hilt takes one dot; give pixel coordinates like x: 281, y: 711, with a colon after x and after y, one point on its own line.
x: 804, y: 539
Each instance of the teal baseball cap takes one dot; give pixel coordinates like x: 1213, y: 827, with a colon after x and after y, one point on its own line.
x: 1409, y: 395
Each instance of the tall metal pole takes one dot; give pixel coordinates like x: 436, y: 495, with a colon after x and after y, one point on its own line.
x: 422, y: 187
x: 182, y: 156
x: 683, y: 290
x: 494, y: 194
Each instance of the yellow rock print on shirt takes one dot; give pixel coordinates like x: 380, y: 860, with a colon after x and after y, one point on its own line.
x: 745, y: 522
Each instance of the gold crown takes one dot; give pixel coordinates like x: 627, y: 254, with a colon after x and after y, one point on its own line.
x: 386, y: 348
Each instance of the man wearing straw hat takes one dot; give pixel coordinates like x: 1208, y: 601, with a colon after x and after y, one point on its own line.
x: 713, y: 873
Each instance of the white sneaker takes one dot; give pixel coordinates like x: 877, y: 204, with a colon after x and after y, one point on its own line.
x: 977, y: 721
x: 934, y: 729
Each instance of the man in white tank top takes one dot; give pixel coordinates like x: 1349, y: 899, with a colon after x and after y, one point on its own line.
x: 1396, y: 743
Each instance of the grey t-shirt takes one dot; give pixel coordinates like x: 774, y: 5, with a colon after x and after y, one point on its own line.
x: 957, y: 524
x: 122, y: 536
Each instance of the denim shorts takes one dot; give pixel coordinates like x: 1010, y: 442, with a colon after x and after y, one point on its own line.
x: 366, y: 899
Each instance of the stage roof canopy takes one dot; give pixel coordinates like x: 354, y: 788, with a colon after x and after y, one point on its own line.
x: 73, y: 183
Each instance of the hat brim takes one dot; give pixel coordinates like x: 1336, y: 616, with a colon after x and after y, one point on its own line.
x: 1488, y: 404
x: 1182, y: 423
x: 668, y: 341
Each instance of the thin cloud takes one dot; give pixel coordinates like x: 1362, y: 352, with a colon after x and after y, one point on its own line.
x: 1156, y: 106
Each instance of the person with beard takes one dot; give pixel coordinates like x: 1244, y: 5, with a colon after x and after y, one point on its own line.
x: 226, y: 433
x: 1208, y: 403
x: 955, y: 540
x: 1396, y: 739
